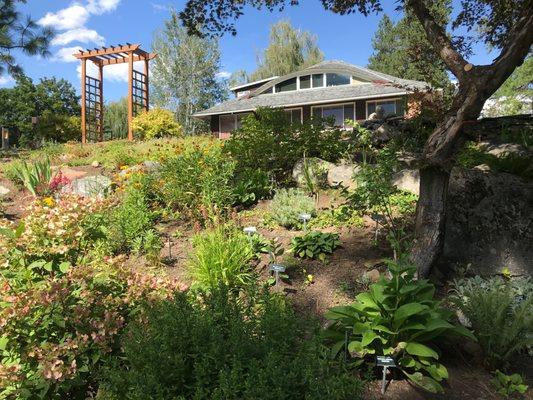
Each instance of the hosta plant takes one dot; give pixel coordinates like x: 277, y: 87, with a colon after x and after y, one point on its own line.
x: 397, y: 318
x: 315, y: 245
x: 508, y: 385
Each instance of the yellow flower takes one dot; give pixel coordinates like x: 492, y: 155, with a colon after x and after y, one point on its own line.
x: 48, y: 201
x: 123, y: 167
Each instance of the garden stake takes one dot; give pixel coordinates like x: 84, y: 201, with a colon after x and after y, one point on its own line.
x: 385, y: 362
x: 277, y: 268
x: 305, y: 218
x: 249, y: 231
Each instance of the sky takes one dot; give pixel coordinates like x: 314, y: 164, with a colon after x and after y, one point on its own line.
x: 94, y: 23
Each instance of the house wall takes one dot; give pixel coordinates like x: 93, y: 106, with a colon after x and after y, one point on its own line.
x: 360, y: 112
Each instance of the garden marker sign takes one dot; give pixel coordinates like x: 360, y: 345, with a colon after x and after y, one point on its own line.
x: 92, y: 90
x: 277, y: 268
x: 385, y: 362
x: 305, y: 218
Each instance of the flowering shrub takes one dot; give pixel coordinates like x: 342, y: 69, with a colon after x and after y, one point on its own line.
x: 59, y: 181
x: 59, y: 329
x: 54, y: 231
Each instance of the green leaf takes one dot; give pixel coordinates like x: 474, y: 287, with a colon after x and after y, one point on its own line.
x: 4, y: 340
x: 366, y: 301
x: 64, y: 267
x: 405, y: 311
x: 368, y: 337
x: 425, y: 382
x: 419, y: 349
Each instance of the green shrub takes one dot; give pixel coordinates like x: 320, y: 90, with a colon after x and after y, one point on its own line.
x: 221, y: 255
x: 508, y: 385
x: 59, y: 128
x: 500, y: 314
x: 250, y: 186
x: 266, y: 141
x: 220, y: 347
x: 156, y: 123
x: 341, y: 216
x: 397, y: 318
x: 197, y: 182
x: 288, y: 204
x: 35, y: 176
x: 131, y: 222
x: 315, y: 245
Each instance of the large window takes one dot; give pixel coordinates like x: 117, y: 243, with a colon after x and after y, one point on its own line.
x: 337, y: 79
x: 318, y: 80
x: 229, y: 122
x: 294, y: 114
x: 286, y: 86
x: 338, y: 112
x: 305, y: 82
x: 390, y: 107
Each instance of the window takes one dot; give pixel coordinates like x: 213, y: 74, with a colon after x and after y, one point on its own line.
x: 390, y: 107
x: 337, y: 79
x: 339, y: 112
x: 286, y: 86
x: 318, y: 80
x: 305, y: 82
x: 227, y: 123
x: 294, y: 115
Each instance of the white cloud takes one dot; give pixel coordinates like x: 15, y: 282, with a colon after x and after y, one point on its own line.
x: 223, y: 74
x: 71, y: 22
x: 102, y: 6
x: 72, y: 17
x: 159, y: 7
x: 113, y: 73
x: 6, y: 80
x: 65, y: 54
x: 82, y: 35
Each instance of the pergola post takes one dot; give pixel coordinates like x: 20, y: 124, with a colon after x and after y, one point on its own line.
x: 83, y: 101
x: 101, y: 103
x: 130, y: 95
x: 146, y: 85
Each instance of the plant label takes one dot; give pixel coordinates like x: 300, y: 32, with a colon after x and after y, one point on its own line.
x: 277, y: 268
x: 384, y: 361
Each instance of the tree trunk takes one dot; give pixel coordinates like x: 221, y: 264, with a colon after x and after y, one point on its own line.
x: 430, y: 218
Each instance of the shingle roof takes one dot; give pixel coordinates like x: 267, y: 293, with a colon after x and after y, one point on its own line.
x: 376, y: 84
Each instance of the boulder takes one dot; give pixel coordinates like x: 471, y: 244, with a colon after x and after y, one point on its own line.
x: 489, y: 222
x: 343, y: 174
x: 151, y: 166
x: 317, y: 169
x: 90, y: 186
x: 407, y: 179
x: 502, y: 149
x: 373, y: 275
x: 70, y: 173
x: 3, y: 191
x: 384, y: 133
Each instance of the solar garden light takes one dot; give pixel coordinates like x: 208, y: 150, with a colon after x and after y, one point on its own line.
x: 304, y: 217
x: 379, y: 219
x: 250, y: 231
x: 276, y: 268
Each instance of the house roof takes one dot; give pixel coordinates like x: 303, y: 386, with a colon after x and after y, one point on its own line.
x: 254, y: 83
x: 373, y: 85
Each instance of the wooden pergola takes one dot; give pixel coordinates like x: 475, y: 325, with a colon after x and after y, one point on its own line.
x: 92, y: 91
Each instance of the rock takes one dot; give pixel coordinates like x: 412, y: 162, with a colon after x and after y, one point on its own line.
x: 148, y: 166
x: 407, y: 160
x: 71, y: 174
x: 344, y: 175
x: 317, y: 168
x: 95, y: 164
x: 90, y: 186
x: 489, y: 222
x: 407, y: 179
x: 502, y: 149
x: 384, y: 133
x: 482, y: 167
x: 373, y: 275
x: 4, y: 191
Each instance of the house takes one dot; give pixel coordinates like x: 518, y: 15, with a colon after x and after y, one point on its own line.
x: 328, y: 89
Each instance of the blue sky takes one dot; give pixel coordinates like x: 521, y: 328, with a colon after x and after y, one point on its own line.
x: 93, y: 23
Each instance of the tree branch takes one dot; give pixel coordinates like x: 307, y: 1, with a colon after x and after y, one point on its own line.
x: 438, y: 38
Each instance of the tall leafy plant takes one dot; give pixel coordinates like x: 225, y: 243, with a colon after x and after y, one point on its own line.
x: 397, y: 318
x: 35, y: 176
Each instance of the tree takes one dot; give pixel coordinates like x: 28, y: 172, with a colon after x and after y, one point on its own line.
x: 506, y: 25
x: 184, y: 73
x: 19, y: 33
x: 515, y: 96
x: 116, y: 119
x: 239, y: 77
x: 289, y: 50
x: 401, y: 49
x: 53, y: 100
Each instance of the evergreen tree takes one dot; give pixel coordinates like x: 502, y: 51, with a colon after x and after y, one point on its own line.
x: 289, y: 50
x: 19, y: 33
x: 184, y: 73
x: 402, y: 49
